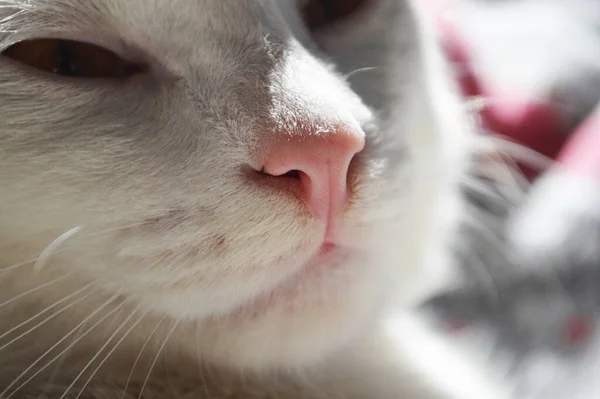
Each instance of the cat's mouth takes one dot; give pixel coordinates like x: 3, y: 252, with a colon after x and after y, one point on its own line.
x: 319, y: 259
x: 329, y: 257
x: 327, y: 247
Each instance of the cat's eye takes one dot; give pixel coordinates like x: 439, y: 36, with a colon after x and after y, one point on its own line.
x: 319, y: 13
x: 71, y: 58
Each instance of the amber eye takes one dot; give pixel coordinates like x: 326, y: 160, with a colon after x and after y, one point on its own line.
x: 71, y: 58
x: 319, y: 13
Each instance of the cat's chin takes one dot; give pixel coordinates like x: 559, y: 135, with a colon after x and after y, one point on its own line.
x: 306, y: 321
x: 301, y: 321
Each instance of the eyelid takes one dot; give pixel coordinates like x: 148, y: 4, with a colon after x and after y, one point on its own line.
x: 153, y: 65
x: 114, y: 45
x: 138, y: 50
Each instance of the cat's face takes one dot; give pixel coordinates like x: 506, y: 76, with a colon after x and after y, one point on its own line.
x: 152, y: 178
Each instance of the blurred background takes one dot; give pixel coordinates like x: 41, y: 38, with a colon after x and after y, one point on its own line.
x: 531, y: 69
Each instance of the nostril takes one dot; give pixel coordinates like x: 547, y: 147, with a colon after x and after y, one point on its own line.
x: 292, y: 174
x: 353, y: 165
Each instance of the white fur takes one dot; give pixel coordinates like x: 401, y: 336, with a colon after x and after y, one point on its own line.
x: 169, y: 229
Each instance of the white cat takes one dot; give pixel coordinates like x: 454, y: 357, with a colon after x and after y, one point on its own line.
x: 225, y: 198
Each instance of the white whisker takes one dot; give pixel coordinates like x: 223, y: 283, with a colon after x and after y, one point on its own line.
x: 76, y: 328
x: 112, y: 229
x: 174, y: 390
x: 46, y: 319
x: 17, y: 265
x: 156, y: 358
x: 485, y: 189
x: 114, y: 320
x: 108, y: 341
x: 24, y: 263
x: 137, y: 359
x: 39, y: 359
x: 200, y: 368
x: 61, y: 239
x: 40, y: 287
x: 359, y: 70
x: 43, y: 258
x: 521, y: 153
x: 58, y: 365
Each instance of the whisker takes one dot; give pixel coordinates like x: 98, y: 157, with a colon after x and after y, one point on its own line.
x: 39, y: 359
x: 359, y: 70
x: 156, y: 358
x: 48, y: 318
x: 174, y: 390
x: 110, y: 325
x: 19, y: 11
x: 33, y: 290
x: 75, y: 341
x: 517, y: 182
x: 58, y: 365
x: 108, y: 341
x: 17, y: 265
x: 567, y: 107
x: 24, y: 263
x: 43, y: 258
x: 520, y: 152
x: 497, y: 182
x: 508, y: 180
x: 113, y: 229
x: 37, y: 258
x: 137, y: 359
x: 485, y: 189
x: 201, y: 369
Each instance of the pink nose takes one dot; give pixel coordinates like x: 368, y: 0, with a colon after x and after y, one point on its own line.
x: 321, y: 164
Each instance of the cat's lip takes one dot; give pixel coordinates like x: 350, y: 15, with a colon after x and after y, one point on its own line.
x: 329, y: 256
x: 322, y: 258
x: 324, y: 251
x: 327, y: 247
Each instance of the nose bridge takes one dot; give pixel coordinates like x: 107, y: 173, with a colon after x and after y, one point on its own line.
x: 308, y: 98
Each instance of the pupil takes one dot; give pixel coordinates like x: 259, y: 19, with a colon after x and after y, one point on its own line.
x: 329, y: 9
x: 66, y: 60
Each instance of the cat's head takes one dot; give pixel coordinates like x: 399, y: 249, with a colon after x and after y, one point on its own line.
x: 222, y: 162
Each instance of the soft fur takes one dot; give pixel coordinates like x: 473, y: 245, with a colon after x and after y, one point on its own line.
x: 131, y: 234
